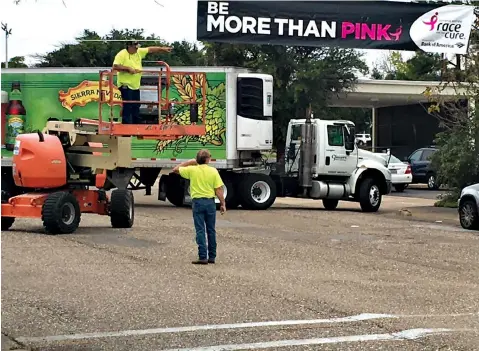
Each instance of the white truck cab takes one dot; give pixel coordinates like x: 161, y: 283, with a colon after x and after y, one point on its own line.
x: 324, y: 162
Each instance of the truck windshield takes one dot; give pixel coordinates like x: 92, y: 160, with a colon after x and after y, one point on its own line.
x: 296, y: 132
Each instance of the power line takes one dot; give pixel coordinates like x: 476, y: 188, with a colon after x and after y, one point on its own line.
x: 119, y: 40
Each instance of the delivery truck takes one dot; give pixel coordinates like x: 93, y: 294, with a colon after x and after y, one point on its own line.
x: 322, y: 159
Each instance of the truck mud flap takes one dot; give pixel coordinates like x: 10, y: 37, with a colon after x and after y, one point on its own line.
x: 162, y: 187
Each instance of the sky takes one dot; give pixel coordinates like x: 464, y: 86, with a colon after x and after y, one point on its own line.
x: 39, y: 26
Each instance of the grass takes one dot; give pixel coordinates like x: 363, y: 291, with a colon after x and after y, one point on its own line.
x: 446, y: 203
x: 448, y: 200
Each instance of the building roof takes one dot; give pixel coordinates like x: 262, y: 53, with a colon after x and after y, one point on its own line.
x: 381, y: 93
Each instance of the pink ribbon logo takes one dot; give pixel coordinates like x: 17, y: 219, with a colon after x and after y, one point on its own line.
x: 432, y: 22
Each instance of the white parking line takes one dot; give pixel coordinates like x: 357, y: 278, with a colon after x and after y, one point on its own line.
x: 138, y: 332
x: 403, y: 335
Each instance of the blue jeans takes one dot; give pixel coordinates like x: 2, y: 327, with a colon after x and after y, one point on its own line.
x: 204, y: 215
x: 131, y: 111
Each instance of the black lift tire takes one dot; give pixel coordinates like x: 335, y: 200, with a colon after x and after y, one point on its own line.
x: 7, y: 191
x: 61, y: 213
x: 330, y: 204
x: 251, y: 191
x: 7, y: 222
x: 122, y: 208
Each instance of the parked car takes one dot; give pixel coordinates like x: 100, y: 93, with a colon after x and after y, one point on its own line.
x: 422, y: 173
x: 468, y: 207
x: 401, y: 174
x: 363, y: 139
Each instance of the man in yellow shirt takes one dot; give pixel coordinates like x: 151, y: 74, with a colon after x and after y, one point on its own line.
x: 205, y: 183
x: 128, y: 63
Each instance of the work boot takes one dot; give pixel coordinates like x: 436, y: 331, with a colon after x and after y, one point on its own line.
x: 211, y: 261
x: 205, y: 261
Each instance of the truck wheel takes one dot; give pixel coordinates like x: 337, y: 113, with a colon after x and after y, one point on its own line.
x: 369, y: 195
x: 175, y: 192
x: 61, y: 213
x: 122, y: 208
x: 7, y: 190
x: 258, y: 192
x: 330, y: 204
x: 400, y: 187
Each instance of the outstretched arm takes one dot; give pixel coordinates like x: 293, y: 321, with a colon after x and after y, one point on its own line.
x: 191, y: 162
x: 154, y: 49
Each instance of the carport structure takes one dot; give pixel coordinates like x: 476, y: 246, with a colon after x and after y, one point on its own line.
x: 400, y: 120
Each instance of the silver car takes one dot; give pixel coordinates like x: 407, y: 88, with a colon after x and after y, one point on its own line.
x: 468, y: 207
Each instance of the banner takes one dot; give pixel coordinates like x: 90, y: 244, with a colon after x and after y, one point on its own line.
x: 86, y: 92
x: 384, y: 25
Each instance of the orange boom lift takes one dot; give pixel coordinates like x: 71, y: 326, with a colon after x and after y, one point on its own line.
x: 66, y: 169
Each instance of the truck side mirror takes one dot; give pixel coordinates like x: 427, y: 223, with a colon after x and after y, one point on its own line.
x: 291, y: 151
x: 349, y: 145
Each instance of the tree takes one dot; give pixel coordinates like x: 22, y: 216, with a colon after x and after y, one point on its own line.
x: 422, y: 66
x: 16, y: 62
x: 92, y: 50
x: 457, y: 160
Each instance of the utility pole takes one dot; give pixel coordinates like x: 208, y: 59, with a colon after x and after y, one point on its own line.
x: 7, y: 33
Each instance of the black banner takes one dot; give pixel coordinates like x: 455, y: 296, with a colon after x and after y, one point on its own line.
x: 437, y: 27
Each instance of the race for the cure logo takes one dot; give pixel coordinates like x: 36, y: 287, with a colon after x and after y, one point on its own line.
x: 432, y: 22
x: 445, y: 29
x: 450, y: 28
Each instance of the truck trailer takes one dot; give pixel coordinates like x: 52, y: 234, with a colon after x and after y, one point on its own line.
x: 322, y: 159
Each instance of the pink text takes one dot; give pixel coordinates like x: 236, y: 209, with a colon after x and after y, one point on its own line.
x: 367, y: 31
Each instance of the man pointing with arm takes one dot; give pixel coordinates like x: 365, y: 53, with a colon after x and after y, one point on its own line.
x: 128, y: 63
x: 205, y: 183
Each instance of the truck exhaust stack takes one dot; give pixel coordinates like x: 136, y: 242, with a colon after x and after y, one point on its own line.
x: 306, y: 158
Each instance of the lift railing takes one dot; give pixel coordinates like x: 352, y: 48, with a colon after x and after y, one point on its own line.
x: 166, y: 128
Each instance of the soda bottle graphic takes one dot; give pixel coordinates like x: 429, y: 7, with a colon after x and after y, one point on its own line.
x: 4, y: 116
x: 15, y: 116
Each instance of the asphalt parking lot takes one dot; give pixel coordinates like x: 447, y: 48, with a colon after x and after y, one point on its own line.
x: 294, y: 277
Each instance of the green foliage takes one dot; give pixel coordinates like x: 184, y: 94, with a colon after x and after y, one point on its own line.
x: 16, y: 62
x: 422, y: 66
x: 89, y: 53
x: 456, y: 162
x: 450, y: 201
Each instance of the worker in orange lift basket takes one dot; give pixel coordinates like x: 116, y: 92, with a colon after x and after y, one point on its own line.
x: 128, y: 63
